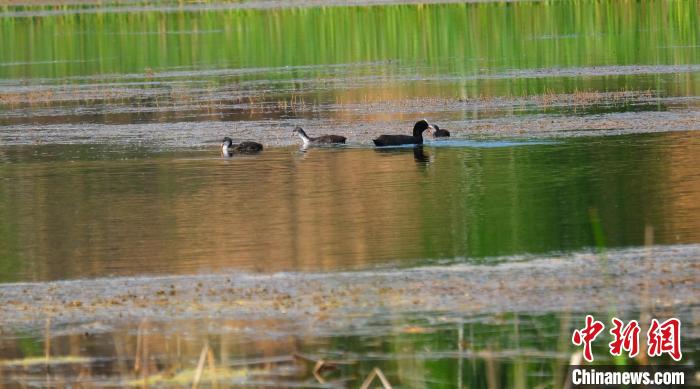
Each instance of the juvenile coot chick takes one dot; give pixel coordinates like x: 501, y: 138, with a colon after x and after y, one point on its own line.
x: 438, y: 133
x: 228, y: 148
x: 397, y: 140
x: 319, y: 140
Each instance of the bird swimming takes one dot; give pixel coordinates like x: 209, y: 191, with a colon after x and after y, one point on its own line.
x: 397, y: 140
x: 228, y: 148
x: 438, y: 133
x: 319, y: 140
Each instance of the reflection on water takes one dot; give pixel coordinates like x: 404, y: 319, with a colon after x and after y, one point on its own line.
x: 419, y: 153
x: 450, y: 38
x: 413, y: 353
x: 504, y: 350
x: 278, y: 65
x: 85, y: 211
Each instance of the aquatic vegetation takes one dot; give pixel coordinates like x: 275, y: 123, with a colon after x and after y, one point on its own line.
x: 194, y: 377
x: 30, y: 362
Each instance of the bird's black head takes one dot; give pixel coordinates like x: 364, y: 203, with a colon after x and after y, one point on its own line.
x: 227, y: 142
x: 419, y: 127
x: 298, y: 131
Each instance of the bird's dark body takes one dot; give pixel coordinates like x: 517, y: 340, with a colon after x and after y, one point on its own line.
x: 319, y: 140
x: 397, y: 140
x: 328, y: 139
x: 247, y: 148
x: 440, y: 133
x: 228, y: 149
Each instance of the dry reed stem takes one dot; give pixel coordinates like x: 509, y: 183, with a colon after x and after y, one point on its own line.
x: 212, y: 367
x: 47, y: 350
x: 378, y: 373
x: 47, y: 340
x: 320, y: 364
x: 200, y: 366
x: 137, y: 356
x: 575, y: 359
x: 144, y: 358
x: 329, y: 362
x: 646, y: 304
x: 317, y: 369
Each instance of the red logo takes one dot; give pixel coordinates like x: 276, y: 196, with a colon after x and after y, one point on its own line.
x: 662, y: 338
x: 626, y: 338
x: 587, y: 335
x: 665, y: 338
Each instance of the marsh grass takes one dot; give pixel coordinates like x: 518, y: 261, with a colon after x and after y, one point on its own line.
x: 504, y: 350
x: 376, y: 372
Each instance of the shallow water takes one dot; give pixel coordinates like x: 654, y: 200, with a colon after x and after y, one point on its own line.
x: 504, y: 350
x: 416, y: 353
x: 184, y: 78
x: 75, y: 211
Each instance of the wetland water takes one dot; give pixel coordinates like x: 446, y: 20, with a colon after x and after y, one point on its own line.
x: 127, y: 243
x: 81, y: 211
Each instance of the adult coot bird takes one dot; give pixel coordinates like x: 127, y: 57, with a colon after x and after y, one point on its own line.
x: 397, y: 140
x: 319, y: 140
x: 228, y: 148
x: 438, y: 133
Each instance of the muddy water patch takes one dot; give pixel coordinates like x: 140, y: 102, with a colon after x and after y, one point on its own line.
x: 343, y: 82
x: 190, y: 105
x: 350, y: 299
x: 361, y: 130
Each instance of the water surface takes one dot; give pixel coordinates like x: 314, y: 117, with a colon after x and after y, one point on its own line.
x: 191, y: 75
x: 442, y: 324
x: 74, y: 211
x: 574, y: 131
